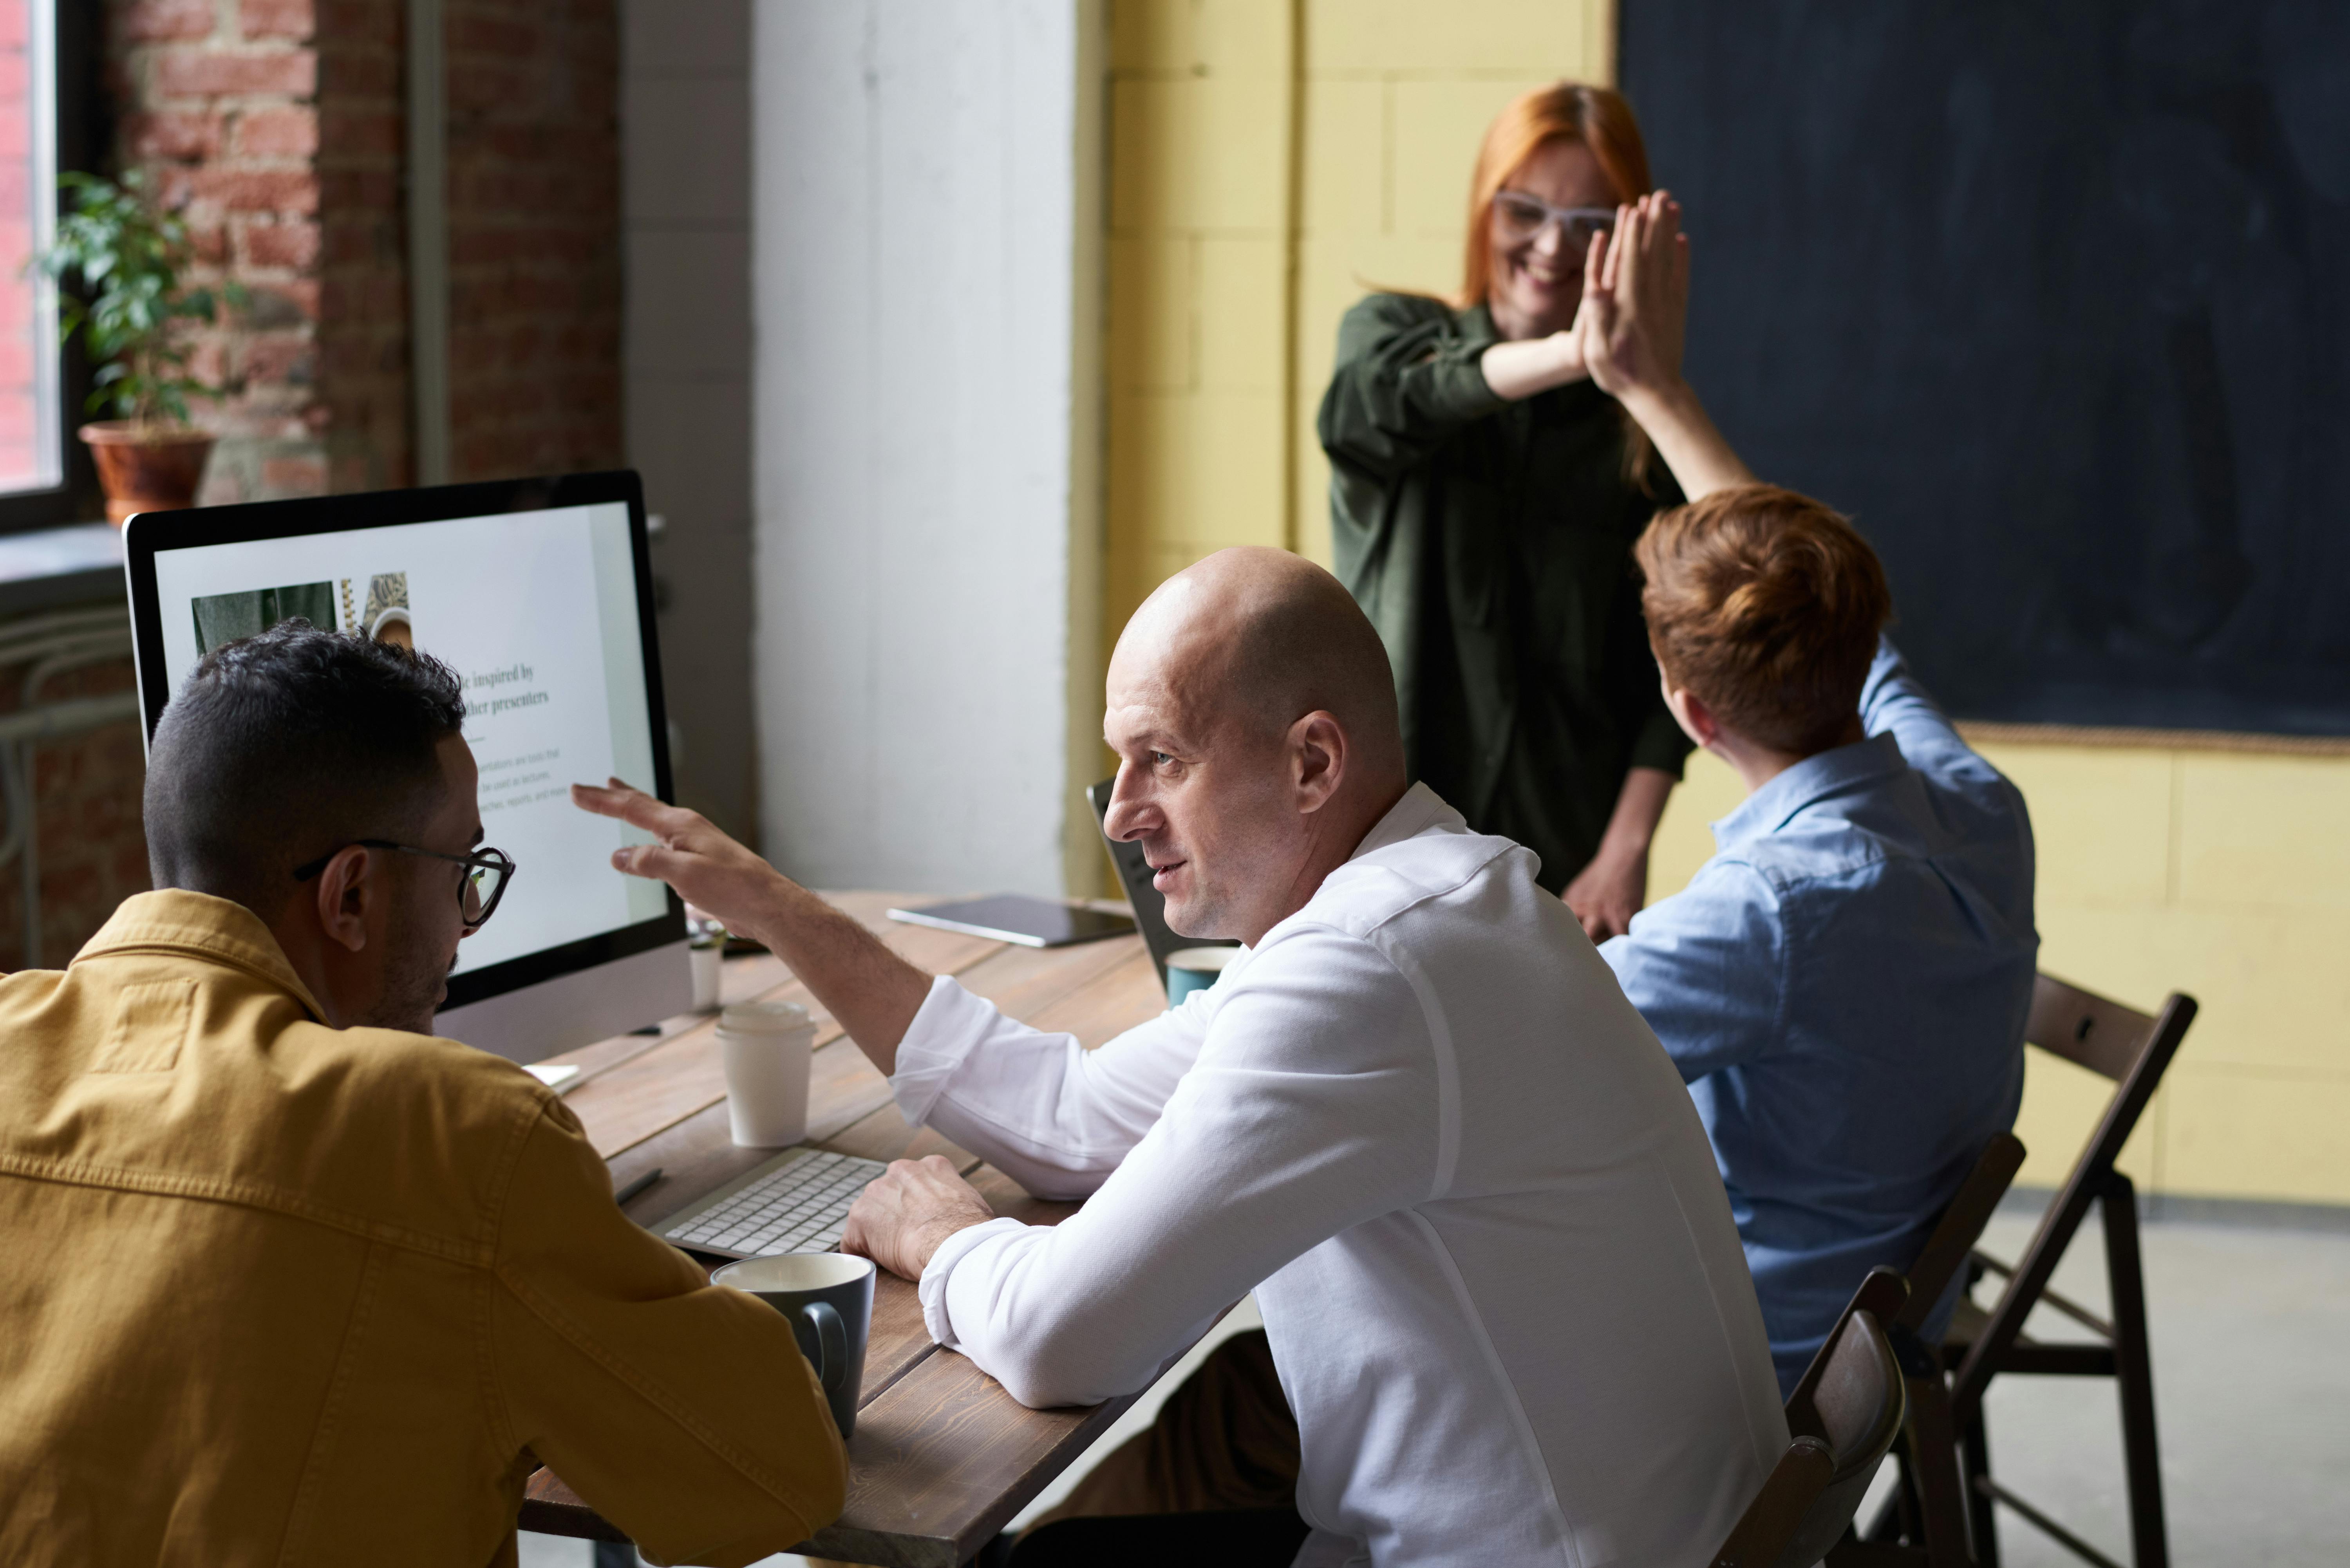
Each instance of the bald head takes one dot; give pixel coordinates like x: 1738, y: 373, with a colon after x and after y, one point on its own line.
x: 1260, y: 637
x: 1253, y: 714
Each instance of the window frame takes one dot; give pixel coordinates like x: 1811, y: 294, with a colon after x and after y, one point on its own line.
x: 83, y: 135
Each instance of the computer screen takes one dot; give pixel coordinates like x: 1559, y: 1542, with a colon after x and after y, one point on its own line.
x: 536, y: 595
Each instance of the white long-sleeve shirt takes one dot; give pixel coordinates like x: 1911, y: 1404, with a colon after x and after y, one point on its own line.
x: 1495, y: 1261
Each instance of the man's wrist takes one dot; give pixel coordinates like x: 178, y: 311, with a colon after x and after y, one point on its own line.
x: 781, y: 909
x: 1659, y: 406
x: 932, y: 1234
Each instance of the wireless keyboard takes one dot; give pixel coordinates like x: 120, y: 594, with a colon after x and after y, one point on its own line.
x: 796, y: 1203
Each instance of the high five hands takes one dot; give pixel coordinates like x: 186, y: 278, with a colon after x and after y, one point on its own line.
x: 1630, y: 326
x: 1635, y: 311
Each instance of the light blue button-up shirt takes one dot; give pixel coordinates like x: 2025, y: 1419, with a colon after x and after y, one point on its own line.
x: 1844, y: 986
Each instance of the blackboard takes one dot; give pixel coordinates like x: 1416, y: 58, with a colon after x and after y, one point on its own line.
x: 2052, y: 296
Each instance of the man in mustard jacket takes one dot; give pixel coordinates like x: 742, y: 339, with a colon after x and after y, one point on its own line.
x: 285, y: 1280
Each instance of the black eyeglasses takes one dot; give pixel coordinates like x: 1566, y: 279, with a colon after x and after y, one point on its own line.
x: 487, y: 872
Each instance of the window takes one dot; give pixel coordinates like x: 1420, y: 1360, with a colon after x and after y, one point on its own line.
x: 32, y: 448
x: 46, y: 56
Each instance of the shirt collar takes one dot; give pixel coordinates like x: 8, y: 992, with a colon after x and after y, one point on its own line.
x: 1421, y: 809
x: 176, y: 919
x: 1814, y: 779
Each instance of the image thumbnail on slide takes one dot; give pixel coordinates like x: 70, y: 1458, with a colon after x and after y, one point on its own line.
x: 224, y: 618
x: 386, y: 617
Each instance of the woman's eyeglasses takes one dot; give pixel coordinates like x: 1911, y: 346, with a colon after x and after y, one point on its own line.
x: 1523, y: 216
x: 487, y: 872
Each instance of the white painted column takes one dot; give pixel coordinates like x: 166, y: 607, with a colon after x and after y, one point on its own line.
x: 926, y: 290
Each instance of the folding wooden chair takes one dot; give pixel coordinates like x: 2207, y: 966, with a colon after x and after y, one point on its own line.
x: 1925, y: 1526
x: 1844, y: 1415
x: 2133, y: 1050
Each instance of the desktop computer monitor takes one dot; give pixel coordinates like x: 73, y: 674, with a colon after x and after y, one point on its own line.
x: 538, y: 593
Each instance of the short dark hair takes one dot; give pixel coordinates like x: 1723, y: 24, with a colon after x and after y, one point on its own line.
x: 286, y: 745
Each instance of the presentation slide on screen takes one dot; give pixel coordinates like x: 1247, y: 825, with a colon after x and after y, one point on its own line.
x: 537, y: 612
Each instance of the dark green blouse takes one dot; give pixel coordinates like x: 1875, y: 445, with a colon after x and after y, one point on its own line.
x: 1490, y: 542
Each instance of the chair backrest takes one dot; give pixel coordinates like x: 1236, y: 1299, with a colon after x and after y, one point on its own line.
x: 2118, y: 1043
x: 1856, y: 1400
x: 1881, y: 1295
x: 2086, y: 1029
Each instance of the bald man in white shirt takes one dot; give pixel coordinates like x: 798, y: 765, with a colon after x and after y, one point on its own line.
x: 1415, y: 1117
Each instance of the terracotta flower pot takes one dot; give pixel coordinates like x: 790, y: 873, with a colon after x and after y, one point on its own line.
x: 146, y: 467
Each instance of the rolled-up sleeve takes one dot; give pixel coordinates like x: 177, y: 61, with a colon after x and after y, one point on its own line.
x: 1407, y: 376
x: 1311, y: 1107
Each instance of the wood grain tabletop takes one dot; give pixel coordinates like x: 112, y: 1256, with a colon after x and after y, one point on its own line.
x: 943, y: 1458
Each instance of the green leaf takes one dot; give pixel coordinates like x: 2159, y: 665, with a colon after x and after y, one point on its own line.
x: 118, y: 258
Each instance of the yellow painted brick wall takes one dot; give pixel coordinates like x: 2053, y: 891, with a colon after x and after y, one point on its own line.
x: 1270, y: 160
x: 1202, y: 100
x: 2225, y: 875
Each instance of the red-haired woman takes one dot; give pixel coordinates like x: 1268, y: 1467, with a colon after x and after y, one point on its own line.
x: 1486, y: 488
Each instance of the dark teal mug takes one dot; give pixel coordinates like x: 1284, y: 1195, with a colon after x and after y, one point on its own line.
x: 828, y: 1299
x: 1195, y: 969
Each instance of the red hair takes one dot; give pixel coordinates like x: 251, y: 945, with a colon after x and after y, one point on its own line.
x: 1596, y: 117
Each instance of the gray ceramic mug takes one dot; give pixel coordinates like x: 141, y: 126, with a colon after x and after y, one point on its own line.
x: 828, y: 1299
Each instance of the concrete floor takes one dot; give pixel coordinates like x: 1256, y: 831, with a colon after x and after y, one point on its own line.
x: 2252, y: 1391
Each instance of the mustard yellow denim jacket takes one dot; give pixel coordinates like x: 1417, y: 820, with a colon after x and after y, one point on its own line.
x: 274, y: 1293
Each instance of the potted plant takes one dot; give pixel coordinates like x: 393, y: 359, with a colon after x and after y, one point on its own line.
x: 128, y: 256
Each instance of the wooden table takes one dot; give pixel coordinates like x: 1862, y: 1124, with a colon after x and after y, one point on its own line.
x: 943, y: 1458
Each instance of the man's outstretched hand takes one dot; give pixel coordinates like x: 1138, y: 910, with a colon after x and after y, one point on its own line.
x: 709, y: 870
x: 1635, y: 308
x: 904, y: 1213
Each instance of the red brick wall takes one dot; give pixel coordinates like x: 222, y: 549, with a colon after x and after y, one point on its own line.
x: 278, y: 125
x: 219, y: 102
x: 534, y: 236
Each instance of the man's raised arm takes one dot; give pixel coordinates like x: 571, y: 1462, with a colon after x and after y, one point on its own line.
x: 873, y: 991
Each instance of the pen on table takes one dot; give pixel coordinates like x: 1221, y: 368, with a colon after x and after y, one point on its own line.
x: 638, y: 1185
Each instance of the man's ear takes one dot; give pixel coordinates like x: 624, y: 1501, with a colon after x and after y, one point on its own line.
x: 1690, y: 711
x: 1318, y: 752
x: 350, y: 884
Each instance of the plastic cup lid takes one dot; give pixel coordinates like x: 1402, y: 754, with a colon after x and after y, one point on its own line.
x: 763, y: 1017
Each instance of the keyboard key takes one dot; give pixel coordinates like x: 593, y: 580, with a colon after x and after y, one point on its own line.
x: 800, y: 1204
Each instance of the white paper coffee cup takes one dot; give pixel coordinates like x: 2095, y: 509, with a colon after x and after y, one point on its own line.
x: 766, y: 1046
x: 709, y: 976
